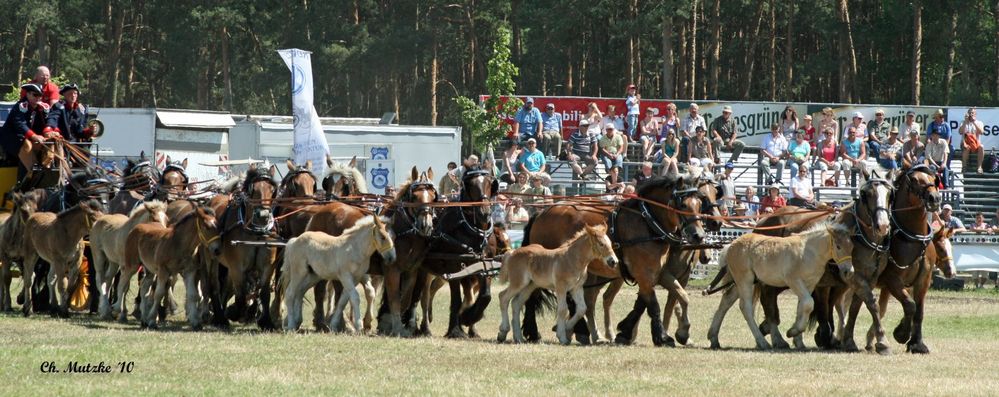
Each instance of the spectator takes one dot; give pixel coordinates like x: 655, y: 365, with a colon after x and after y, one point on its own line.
x: 858, y: 125
x: 520, y: 186
x: 450, y: 184
x: 773, y: 201
x: 912, y: 149
x: 723, y: 133
x: 510, y: 158
x: 853, y: 151
x: 471, y: 162
x: 909, y: 125
x: 645, y: 173
x: 877, y: 132
x: 773, y: 151
x: 829, y: 121
x: 490, y: 165
x: 670, y: 122
x: 582, y: 147
x: 936, y: 154
x: 948, y: 219
x: 801, y: 189
x: 527, y: 121
x: 649, y: 133
x: 551, y: 131
x: 613, y: 181
x: 687, y: 129
x: 669, y: 151
x: 700, y: 150
x: 826, y: 158
x: 43, y: 79
x: 810, y: 136
x: 889, y: 153
x: 940, y: 126
x: 516, y: 213
x: 798, y: 152
x: 727, y: 185
x: 632, y: 101
x: 751, y: 201
x: 980, y: 226
x: 995, y: 225
x: 628, y: 189
x: 612, y: 147
x: 595, y: 120
x: 971, y: 131
x: 789, y: 122
x: 390, y: 191
x: 539, y: 192
x: 533, y: 161
x: 611, y: 118
x: 24, y: 133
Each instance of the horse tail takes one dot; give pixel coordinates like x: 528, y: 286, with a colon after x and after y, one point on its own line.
x: 547, y: 301
x: 723, y: 279
x: 527, y: 231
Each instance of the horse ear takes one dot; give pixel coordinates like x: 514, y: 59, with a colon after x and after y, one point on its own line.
x: 168, y: 161
x: 329, y: 161
x: 290, y: 164
x: 353, y: 162
x: 495, y: 188
x: 866, y: 174
x: 430, y: 174
x: 142, y: 156
x: 184, y: 164
x: 273, y: 170
x: 308, y: 164
x: 414, y: 175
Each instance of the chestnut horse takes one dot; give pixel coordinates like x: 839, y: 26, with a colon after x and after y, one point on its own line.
x: 139, y: 180
x: 918, y: 276
x: 643, y: 232
x: 11, y: 242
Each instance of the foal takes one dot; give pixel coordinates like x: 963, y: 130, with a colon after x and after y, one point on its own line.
x: 107, y: 245
x: 562, y: 270
x: 58, y: 239
x: 166, y: 251
x: 797, y: 262
x: 315, y: 256
x: 11, y: 238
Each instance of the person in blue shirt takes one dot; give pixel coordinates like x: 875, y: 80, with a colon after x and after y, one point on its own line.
x: 527, y: 121
x: 632, y: 101
x: 551, y: 131
x: 939, y: 125
x: 533, y: 161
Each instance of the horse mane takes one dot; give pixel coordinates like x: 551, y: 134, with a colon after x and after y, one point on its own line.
x: 77, y: 207
x: 345, y: 169
x: 154, y: 205
x: 365, y: 221
x: 665, y: 181
x: 193, y: 213
x: 256, y: 174
x: 831, y: 224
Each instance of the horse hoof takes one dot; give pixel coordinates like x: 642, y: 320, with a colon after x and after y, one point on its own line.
x: 583, y: 339
x: 26, y: 312
x: 196, y: 328
x: 901, y: 334
x: 324, y: 328
x: 918, y: 348
x: 222, y: 325
x: 764, y: 328
x: 472, y: 334
x: 501, y: 337
x: 456, y: 333
x: 781, y: 345
x: 882, y: 349
x: 266, y: 324
x: 850, y: 346
x: 63, y: 313
x: 665, y: 341
x: 622, y: 340
x: 682, y: 336
x: 715, y: 345
x: 53, y: 314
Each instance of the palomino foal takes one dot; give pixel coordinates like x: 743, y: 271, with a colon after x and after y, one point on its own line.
x: 315, y: 256
x: 58, y: 239
x: 797, y: 262
x: 562, y: 270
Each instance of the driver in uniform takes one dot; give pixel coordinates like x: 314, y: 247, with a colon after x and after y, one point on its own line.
x: 26, y: 131
x: 69, y: 116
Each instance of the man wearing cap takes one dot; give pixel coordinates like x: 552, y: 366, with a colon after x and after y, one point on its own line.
x: 611, y: 147
x: 25, y: 131
x: 533, y: 161
x: 948, y: 219
x: 888, y: 156
x: 632, y: 101
x: 773, y: 152
x: 940, y: 126
x: 527, y: 121
x: 912, y: 149
x: 858, y: 124
x: 910, y: 124
x: 50, y: 91
x: 723, y: 132
x: 688, y: 128
x: 877, y: 132
x: 773, y: 201
x: 551, y: 131
x: 69, y: 116
x: 582, y: 147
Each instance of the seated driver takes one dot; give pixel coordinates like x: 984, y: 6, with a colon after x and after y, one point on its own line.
x: 25, y: 131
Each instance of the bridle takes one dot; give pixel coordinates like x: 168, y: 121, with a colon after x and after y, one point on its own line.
x: 408, y: 197
x: 242, y: 200
x: 481, y: 234
x: 286, y: 181
x: 206, y: 242
x: 871, y: 213
x: 923, y: 194
x: 334, y: 179
x: 832, y: 251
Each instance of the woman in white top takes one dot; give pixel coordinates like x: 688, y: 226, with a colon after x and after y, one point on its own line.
x: 594, y: 116
x: 801, y: 189
x: 789, y: 123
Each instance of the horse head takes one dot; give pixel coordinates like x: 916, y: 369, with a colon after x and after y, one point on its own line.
x: 479, y: 185
x: 173, y: 178
x: 299, y: 182
x: 207, y: 229
x: 602, y: 246
x: 343, y: 180
x: 876, y: 196
x: 92, y: 209
x: 708, y: 189
x: 421, y: 192
x: 381, y: 237
x: 944, y: 252
x: 688, y: 203
x: 260, y: 189
x: 841, y: 249
x: 920, y: 185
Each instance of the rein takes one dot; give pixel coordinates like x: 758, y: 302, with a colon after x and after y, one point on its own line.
x: 832, y: 252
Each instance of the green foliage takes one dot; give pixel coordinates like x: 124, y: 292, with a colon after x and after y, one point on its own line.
x: 486, y: 123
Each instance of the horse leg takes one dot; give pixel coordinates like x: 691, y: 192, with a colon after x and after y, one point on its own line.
x: 431, y: 284
x: 531, y: 307
x: 320, y: 292
x: 145, y: 295
x: 519, y: 299
x: 903, y: 331
x: 193, y: 299
x: 453, y: 325
x: 263, y: 261
x: 577, y: 294
x: 504, y: 303
x: 158, y: 296
x: 648, y: 293
x: 745, y: 292
x: 124, y: 279
x: 916, y: 344
x: 590, y: 297
x: 104, y: 272
x: 727, y: 300
x: 626, y: 327
x: 561, y: 315
x: 608, y: 301
x: 771, y: 316
x: 5, y: 279
x: 370, y: 294
x: 214, y: 281
x: 846, y: 342
x: 28, y: 278
x: 866, y: 292
x: 679, y: 295
x: 477, y: 311
x: 57, y: 288
x: 350, y: 287
x: 392, y: 325
x: 805, y: 306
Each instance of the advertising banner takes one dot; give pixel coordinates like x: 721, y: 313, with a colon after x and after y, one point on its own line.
x: 988, y: 116
x: 309, y: 139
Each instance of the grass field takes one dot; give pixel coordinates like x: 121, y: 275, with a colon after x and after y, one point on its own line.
x: 962, y: 329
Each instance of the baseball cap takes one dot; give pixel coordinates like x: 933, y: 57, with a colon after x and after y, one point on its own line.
x: 948, y: 207
x: 550, y: 106
x: 857, y: 115
x: 727, y: 109
x: 729, y: 165
x: 529, y: 100
x: 584, y: 123
x: 531, y: 140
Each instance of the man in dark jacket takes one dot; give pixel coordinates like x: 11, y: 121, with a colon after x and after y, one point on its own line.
x: 25, y: 131
x: 69, y: 116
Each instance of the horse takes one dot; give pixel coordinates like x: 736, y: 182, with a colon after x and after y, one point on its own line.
x: 246, y: 215
x: 412, y: 221
x: 139, y: 180
x: 173, y: 182
x: 868, y: 216
x: 11, y: 241
x: 667, y: 209
x: 167, y: 250
x: 315, y: 256
x: 919, y: 276
x: 562, y: 270
x: 107, y: 244
x: 343, y: 180
x: 58, y: 239
x: 797, y: 262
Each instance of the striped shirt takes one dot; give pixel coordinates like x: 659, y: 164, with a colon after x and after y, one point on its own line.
x: 582, y: 143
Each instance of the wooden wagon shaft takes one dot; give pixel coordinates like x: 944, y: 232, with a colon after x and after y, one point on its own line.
x: 486, y: 266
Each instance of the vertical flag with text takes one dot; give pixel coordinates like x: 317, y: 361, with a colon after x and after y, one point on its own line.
x: 310, y: 141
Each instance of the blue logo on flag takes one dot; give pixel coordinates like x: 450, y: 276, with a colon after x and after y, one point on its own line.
x: 379, y: 153
x: 379, y: 176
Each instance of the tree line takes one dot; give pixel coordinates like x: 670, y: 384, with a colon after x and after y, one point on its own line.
x: 414, y: 56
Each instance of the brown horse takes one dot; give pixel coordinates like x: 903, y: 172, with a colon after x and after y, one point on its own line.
x: 166, y: 251
x: 57, y: 239
x: 11, y: 241
x: 918, y: 276
x: 643, y: 232
x: 343, y: 180
x: 139, y: 180
x: 246, y: 216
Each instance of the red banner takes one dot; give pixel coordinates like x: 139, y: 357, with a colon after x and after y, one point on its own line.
x: 574, y: 108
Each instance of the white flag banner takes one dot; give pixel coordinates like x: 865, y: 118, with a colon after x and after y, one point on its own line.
x: 310, y: 141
